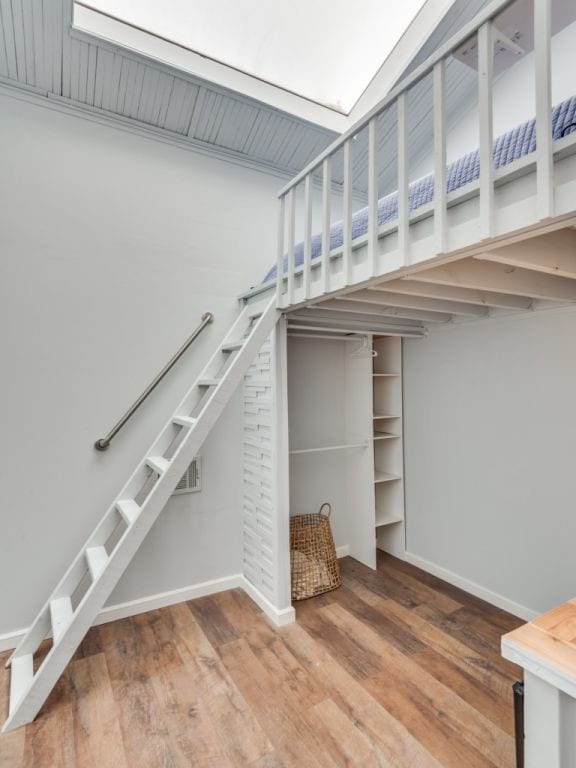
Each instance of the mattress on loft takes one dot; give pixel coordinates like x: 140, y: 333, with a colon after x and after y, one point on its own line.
x: 518, y: 142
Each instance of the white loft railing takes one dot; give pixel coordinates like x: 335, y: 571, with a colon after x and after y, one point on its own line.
x: 335, y: 269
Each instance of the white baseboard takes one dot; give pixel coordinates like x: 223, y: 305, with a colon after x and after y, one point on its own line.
x: 279, y: 616
x: 343, y: 551
x: 11, y: 639
x: 163, y: 599
x: 474, y: 589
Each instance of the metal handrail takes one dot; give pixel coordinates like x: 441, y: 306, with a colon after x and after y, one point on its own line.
x: 103, y: 443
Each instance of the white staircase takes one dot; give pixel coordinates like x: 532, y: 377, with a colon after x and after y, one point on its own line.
x: 73, y: 605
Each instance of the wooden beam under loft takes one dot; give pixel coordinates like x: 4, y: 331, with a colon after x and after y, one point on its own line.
x: 385, y: 313
x: 500, y: 278
x: 380, y: 310
x: 553, y: 253
x: 379, y: 295
x: 455, y: 293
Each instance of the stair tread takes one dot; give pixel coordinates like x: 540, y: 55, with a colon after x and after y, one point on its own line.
x: 129, y: 509
x: 231, y: 346
x: 158, y: 463
x: 97, y: 557
x: 183, y: 421
x: 21, y: 675
x: 60, y: 616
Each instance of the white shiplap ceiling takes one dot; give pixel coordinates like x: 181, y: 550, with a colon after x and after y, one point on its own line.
x: 40, y: 53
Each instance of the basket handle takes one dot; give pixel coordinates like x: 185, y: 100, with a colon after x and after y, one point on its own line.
x: 326, y: 504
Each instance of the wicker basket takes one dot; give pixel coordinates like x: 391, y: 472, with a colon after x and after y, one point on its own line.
x: 313, y: 555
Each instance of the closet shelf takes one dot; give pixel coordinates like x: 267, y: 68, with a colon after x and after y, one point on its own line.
x: 384, y: 477
x: 386, y: 416
x: 384, y: 435
x: 389, y: 521
x: 384, y: 375
x: 325, y: 448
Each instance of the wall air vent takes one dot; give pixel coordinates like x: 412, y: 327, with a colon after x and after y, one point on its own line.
x: 191, y: 479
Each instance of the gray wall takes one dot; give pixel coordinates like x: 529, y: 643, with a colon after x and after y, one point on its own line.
x: 490, y: 454
x: 111, y: 247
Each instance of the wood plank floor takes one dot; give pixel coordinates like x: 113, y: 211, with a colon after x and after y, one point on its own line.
x: 396, y: 668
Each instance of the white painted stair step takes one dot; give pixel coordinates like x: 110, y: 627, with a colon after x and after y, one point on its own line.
x: 21, y: 675
x: 183, y: 421
x: 96, y: 557
x: 158, y: 464
x: 129, y: 510
x: 60, y: 616
x: 231, y: 346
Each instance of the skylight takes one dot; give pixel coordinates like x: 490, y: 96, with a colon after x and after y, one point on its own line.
x: 326, y: 51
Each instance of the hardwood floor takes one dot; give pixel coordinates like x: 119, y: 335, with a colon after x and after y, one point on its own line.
x: 396, y: 668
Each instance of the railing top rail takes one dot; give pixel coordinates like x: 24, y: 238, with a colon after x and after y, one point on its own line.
x: 103, y: 443
x: 486, y: 14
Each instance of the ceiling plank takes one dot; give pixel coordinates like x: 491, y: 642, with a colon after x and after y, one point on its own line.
x: 468, y: 295
x: 553, y: 253
x: 483, y: 275
x: 420, y: 302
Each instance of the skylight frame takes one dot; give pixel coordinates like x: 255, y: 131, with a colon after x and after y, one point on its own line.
x: 183, y: 62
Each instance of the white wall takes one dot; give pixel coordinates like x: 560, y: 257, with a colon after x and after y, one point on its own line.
x: 490, y: 454
x: 111, y: 247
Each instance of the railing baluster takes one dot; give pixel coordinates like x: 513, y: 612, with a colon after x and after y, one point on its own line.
x: 291, y: 228
x: 544, y: 156
x: 372, y: 195
x: 280, y: 255
x: 485, y: 77
x: 307, y: 272
x: 440, y: 210
x: 347, y: 215
x: 403, y: 203
x: 326, y: 193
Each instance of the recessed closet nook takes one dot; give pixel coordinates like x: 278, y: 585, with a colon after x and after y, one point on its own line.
x: 346, y: 448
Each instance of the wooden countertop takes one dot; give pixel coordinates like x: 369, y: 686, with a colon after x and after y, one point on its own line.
x: 547, y: 647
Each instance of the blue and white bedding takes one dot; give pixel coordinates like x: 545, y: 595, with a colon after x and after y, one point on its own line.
x: 510, y: 146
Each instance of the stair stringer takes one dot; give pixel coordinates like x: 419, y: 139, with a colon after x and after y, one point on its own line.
x: 33, y: 697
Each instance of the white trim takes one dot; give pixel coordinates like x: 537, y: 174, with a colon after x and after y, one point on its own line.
x: 125, y: 38
x: 10, y: 640
x: 343, y: 551
x: 164, y: 599
x: 470, y: 586
x: 279, y: 616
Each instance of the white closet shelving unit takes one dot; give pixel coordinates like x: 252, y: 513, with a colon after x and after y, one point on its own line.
x: 388, y: 445
x: 345, y: 427
x: 330, y: 428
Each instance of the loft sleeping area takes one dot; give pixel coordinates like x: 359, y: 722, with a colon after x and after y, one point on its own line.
x: 289, y: 301
x: 510, y: 146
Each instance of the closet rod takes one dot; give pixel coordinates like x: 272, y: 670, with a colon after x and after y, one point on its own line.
x: 417, y: 333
